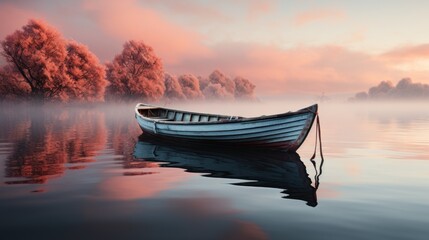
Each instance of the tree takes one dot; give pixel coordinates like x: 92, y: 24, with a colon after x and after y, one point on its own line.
x: 12, y: 86
x: 38, y: 52
x: 136, y: 72
x: 44, y: 66
x: 215, y: 87
x: 382, y: 90
x: 215, y: 91
x: 243, y: 88
x: 204, y: 82
x: 361, y: 96
x: 218, y: 86
x: 190, y: 86
x: 86, y: 73
x: 217, y: 77
x: 173, y: 90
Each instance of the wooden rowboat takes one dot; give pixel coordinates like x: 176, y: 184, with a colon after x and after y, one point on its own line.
x: 286, y: 131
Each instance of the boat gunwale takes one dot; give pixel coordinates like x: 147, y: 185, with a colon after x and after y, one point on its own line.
x: 311, y: 109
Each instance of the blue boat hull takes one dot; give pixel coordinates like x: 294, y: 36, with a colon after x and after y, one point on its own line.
x: 285, y: 131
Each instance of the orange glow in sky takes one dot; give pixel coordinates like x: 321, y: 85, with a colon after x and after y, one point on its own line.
x: 281, y: 46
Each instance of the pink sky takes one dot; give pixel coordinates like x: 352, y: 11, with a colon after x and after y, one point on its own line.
x: 283, y: 47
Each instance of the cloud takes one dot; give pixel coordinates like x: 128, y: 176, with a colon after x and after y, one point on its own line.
x: 195, y: 10
x: 316, y: 15
x: 104, y: 28
x: 412, y: 58
x: 258, y: 8
x: 70, y: 19
x: 128, y: 20
x: 215, y: 10
x: 408, y: 53
x: 13, y: 18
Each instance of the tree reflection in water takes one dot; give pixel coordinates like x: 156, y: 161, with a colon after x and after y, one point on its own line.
x: 124, y: 132
x: 48, y: 140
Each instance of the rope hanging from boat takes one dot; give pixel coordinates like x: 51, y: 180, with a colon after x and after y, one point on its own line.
x: 318, y: 139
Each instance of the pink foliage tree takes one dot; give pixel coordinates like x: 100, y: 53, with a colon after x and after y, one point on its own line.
x: 382, y: 90
x: 86, y: 73
x: 42, y: 66
x: 215, y: 87
x: 404, y: 89
x: 173, y: 90
x: 12, y: 86
x: 38, y: 52
x: 244, y: 89
x: 136, y: 72
x: 220, y: 78
x: 215, y: 91
x: 190, y: 86
x: 204, y: 82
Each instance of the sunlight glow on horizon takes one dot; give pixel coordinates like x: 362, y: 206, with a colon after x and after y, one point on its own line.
x: 293, y: 46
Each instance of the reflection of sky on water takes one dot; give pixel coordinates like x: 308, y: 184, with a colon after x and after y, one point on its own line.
x: 76, y: 165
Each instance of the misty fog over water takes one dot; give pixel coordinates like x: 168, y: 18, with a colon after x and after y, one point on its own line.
x: 86, y: 172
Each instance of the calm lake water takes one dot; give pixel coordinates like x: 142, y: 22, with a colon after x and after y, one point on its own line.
x: 86, y: 173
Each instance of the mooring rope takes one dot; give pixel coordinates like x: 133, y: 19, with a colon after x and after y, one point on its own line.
x: 318, y: 139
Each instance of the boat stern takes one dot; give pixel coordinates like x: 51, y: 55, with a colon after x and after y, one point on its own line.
x: 313, y: 109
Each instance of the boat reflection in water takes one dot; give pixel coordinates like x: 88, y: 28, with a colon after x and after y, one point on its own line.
x: 263, y: 169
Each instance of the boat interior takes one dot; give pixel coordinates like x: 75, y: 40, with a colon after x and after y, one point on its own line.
x: 163, y: 114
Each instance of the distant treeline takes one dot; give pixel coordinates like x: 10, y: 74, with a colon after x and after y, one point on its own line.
x: 385, y: 90
x: 42, y: 65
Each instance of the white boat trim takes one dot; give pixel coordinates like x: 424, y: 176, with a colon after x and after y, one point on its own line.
x: 287, y: 130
